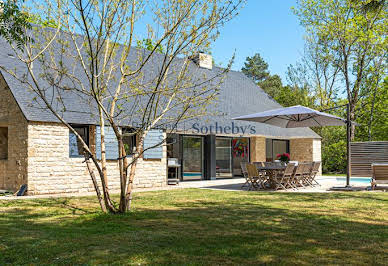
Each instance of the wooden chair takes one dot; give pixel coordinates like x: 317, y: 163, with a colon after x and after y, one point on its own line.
x: 297, y: 177
x: 245, y: 174
x: 283, y: 179
x: 379, y: 174
x: 307, y: 173
x: 262, y: 173
x: 253, y: 177
x: 315, y: 172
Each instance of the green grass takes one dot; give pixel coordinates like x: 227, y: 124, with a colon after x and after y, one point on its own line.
x: 333, y: 174
x: 196, y: 226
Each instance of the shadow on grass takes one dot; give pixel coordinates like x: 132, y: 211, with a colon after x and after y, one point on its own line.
x: 303, y: 196
x: 197, y: 231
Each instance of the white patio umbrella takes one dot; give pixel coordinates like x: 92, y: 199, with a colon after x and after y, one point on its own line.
x: 301, y: 116
x: 294, y: 116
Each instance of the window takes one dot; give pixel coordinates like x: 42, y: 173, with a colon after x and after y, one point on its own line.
x: 3, y: 143
x: 129, y: 139
x: 173, y: 146
x: 75, y: 146
x: 275, y: 147
x: 279, y: 147
x: 268, y: 150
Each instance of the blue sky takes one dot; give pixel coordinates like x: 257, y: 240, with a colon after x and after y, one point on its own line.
x: 265, y: 26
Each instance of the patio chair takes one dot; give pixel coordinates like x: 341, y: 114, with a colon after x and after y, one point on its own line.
x: 379, y: 174
x: 307, y: 173
x: 264, y: 178
x: 262, y: 173
x: 283, y: 178
x: 245, y: 174
x: 297, y: 177
x: 254, y: 178
x: 314, y: 173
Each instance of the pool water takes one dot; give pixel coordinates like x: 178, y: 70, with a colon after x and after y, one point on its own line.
x: 364, y: 180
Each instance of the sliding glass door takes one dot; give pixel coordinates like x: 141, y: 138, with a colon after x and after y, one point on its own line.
x: 240, y: 153
x: 224, y: 157
x: 192, y: 158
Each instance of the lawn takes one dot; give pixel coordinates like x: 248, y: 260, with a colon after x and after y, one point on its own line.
x: 196, y: 226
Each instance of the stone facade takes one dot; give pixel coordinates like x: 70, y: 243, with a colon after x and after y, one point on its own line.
x: 51, y: 170
x: 3, y: 171
x: 306, y: 150
x: 13, y: 169
x: 37, y: 154
x: 257, y: 146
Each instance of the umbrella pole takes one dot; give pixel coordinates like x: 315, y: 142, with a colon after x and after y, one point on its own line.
x: 348, y: 136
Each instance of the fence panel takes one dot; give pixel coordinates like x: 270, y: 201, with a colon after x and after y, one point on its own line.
x: 363, y: 154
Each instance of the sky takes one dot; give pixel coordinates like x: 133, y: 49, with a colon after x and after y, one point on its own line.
x: 268, y: 27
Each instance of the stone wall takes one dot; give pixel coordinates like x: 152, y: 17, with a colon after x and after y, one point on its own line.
x: 305, y: 150
x: 317, y: 152
x: 13, y: 170
x: 50, y: 170
x: 257, y: 146
x: 3, y: 169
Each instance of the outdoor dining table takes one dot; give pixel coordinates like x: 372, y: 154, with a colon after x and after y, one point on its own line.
x: 271, y: 171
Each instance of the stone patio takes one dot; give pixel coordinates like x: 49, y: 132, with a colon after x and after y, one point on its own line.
x: 326, y: 183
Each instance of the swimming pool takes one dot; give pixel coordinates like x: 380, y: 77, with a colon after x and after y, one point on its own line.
x: 364, y: 180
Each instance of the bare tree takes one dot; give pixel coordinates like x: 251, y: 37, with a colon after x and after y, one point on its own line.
x: 90, y: 55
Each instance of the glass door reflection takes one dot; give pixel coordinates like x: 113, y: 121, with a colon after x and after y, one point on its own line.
x: 240, y: 152
x: 224, y: 157
x: 192, y: 158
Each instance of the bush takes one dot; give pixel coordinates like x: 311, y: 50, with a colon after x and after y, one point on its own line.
x: 334, y: 158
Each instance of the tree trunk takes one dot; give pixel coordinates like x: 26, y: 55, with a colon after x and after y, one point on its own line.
x: 352, y: 118
x: 123, y: 177
x: 128, y: 195
x: 97, y: 189
x: 103, y: 173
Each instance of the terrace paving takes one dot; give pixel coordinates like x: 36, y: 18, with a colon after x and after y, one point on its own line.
x: 232, y: 184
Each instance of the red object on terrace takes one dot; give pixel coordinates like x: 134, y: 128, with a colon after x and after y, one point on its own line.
x: 284, y: 157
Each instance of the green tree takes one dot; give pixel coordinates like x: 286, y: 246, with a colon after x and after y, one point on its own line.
x: 271, y: 85
x: 256, y: 68
x: 352, y: 34
x: 373, y: 115
x: 333, y: 144
x: 13, y: 23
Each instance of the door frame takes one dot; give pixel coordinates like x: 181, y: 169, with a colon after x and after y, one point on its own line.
x: 231, y: 153
x: 202, y: 155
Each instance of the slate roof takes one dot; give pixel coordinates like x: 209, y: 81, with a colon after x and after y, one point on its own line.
x: 238, y: 96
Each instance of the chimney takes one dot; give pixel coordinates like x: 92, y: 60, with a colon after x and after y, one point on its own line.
x: 203, y: 60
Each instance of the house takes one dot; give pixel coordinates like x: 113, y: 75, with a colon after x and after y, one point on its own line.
x: 37, y: 150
